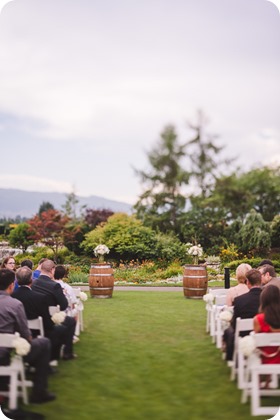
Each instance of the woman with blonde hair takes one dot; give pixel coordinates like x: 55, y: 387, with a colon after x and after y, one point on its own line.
x: 241, y: 288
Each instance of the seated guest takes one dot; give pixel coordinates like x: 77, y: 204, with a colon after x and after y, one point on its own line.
x: 59, y: 275
x: 13, y: 319
x: 268, y: 320
x: 35, y: 305
x: 242, y: 287
x: 268, y: 275
x: 46, y: 285
x: 27, y: 263
x: 244, y: 306
x: 10, y: 263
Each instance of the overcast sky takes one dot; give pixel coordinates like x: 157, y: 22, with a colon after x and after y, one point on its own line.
x: 87, y: 86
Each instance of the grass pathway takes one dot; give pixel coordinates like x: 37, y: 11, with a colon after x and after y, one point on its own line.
x: 145, y: 356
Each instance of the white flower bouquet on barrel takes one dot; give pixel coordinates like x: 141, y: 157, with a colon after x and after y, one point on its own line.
x: 100, y: 250
x: 196, y: 251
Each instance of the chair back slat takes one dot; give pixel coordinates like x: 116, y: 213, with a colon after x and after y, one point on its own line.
x: 36, y: 324
x: 6, y: 340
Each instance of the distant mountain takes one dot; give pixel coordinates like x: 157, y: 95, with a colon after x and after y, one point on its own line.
x: 15, y: 203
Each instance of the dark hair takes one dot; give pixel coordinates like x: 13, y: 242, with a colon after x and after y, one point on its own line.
x: 266, y: 262
x: 268, y: 269
x: 59, y: 272
x: 24, y: 276
x: 7, y: 277
x: 254, y: 277
x: 27, y: 263
x: 270, y: 305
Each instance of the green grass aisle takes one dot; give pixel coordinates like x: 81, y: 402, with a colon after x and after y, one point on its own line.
x: 145, y: 355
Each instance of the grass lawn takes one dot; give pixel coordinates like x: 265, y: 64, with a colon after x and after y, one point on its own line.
x: 143, y: 356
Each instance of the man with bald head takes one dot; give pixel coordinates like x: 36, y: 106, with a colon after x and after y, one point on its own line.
x: 53, y: 291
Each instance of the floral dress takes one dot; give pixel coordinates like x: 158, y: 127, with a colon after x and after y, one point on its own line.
x: 269, y: 354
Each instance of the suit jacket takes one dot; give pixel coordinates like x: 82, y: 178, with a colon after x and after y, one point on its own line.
x: 35, y: 304
x: 247, y: 305
x: 275, y: 281
x: 52, y: 290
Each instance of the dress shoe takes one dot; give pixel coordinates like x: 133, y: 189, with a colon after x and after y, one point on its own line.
x: 69, y: 356
x: 42, y: 398
x: 22, y: 415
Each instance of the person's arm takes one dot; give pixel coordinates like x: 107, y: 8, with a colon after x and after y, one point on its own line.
x: 229, y: 299
x: 257, y: 327
x: 21, y: 323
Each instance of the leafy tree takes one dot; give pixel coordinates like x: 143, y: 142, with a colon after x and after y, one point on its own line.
x: 254, y: 236
x: 125, y: 236
x: 275, y: 231
x: 162, y: 201
x: 129, y: 239
x: 232, y: 196
x: 70, y: 206
x: 263, y: 184
x: 50, y: 228
x: 169, y: 248
x: 203, y: 224
x: 19, y: 237
x: 203, y: 153
x: 45, y: 206
x: 93, y: 217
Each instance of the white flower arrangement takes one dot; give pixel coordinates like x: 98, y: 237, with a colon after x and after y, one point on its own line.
x: 100, y: 251
x: 58, y: 317
x: 247, y: 345
x: 83, y: 296
x: 226, y: 315
x: 208, y: 298
x: 196, y: 251
x: 22, y: 347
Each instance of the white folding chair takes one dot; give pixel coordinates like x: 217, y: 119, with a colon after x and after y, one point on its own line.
x: 15, y: 371
x: 210, y: 308
x: 218, y: 292
x: 255, y: 369
x: 79, y: 307
x: 37, y: 324
x: 220, y: 324
x: 238, y: 361
x: 220, y: 303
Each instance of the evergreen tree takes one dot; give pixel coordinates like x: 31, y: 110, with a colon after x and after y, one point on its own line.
x: 162, y: 202
x: 203, y: 153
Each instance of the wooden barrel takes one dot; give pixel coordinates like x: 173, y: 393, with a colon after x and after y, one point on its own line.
x: 101, y: 280
x: 195, y: 281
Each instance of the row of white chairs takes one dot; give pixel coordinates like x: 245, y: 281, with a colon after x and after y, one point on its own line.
x: 246, y: 370
x: 15, y: 371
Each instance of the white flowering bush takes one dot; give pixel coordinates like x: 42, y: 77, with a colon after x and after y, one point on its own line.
x: 22, y: 346
x: 83, y: 296
x: 196, y: 251
x: 58, y: 317
x: 100, y: 251
x: 247, y: 345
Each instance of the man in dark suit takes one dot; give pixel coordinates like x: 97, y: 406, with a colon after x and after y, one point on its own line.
x: 244, y: 306
x: 12, y: 319
x: 35, y: 305
x: 53, y: 292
